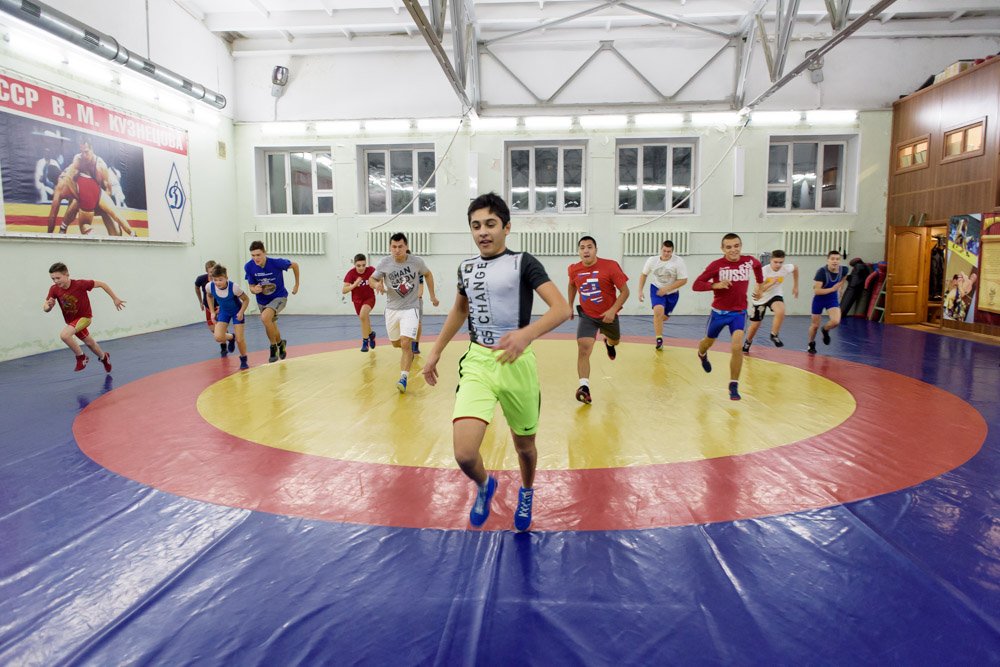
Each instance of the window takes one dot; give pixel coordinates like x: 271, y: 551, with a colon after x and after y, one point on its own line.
x: 964, y: 142
x: 299, y: 182
x: 393, y: 174
x: 912, y: 155
x: 806, y: 175
x: 546, y: 178
x: 655, y: 177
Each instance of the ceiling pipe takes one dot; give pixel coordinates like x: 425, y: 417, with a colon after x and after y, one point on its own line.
x: 69, y: 29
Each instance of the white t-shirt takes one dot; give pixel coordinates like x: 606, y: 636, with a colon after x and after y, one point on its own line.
x: 774, y: 289
x: 663, y: 273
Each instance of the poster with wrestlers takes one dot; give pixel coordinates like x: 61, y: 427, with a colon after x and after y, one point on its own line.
x: 962, y: 270
x: 75, y: 168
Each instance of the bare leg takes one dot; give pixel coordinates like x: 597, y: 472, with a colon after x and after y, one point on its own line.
x: 658, y: 319
x: 736, y: 356
x: 527, y: 457
x: 704, y: 344
x: 240, y: 340
x: 94, y: 347
x: 584, y: 346
x: 752, y: 331
x: 468, y: 436
x: 834, y: 314
x: 366, y: 322
x: 814, y: 327
x: 778, y: 307
x: 68, y: 336
x: 222, y: 332
x: 406, y: 360
x: 270, y: 326
x: 107, y: 209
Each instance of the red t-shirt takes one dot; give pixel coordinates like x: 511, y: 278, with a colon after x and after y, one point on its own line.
x: 597, y: 285
x: 73, y: 301
x: 738, y: 273
x: 362, y: 293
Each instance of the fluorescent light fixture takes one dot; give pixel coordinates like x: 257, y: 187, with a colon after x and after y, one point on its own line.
x: 832, y: 116
x: 548, y: 122
x: 493, y: 123
x: 388, y: 126
x: 282, y: 129
x: 776, y: 117
x: 32, y: 48
x: 208, y: 116
x: 603, y: 122
x: 438, y: 125
x: 174, y: 103
x: 138, y: 89
x: 338, y: 127
x: 716, y: 119
x: 659, y: 119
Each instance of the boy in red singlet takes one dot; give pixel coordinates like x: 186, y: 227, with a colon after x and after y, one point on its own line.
x: 71, y: 295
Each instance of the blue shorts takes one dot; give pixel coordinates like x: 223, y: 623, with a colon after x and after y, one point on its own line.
x: 720, y: 319
x: 669, y: 302
x: 228, y: 316
x: 824, y: 301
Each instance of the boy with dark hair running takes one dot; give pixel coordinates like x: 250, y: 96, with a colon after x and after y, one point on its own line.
x: 729, y: 278
x: 363, y: 297
x: 201, y: 294
x: 495, y: 293
x: 603, y: 288
x: 669, y: 274
x: 229, y: 302
x: 267, y: 282
x: 775, y: 272
x: 71, y: 295
x: 827, y: 283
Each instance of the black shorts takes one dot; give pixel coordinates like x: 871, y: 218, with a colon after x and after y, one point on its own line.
x: 587, y: 326
x: 758, y: 311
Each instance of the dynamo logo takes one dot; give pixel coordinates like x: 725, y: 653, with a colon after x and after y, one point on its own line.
x: 176, y: 199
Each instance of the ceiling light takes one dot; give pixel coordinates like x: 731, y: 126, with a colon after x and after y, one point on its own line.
x: 659, y: 119
x: 603, y: 122
x: 832, y: 116
x: 548, y: 122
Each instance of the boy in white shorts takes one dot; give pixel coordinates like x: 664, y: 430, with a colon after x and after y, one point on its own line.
x: 775, y: 272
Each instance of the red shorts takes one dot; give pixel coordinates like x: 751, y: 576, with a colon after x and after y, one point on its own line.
x: 89, y: 192
x: 81, y: 324
x: 210, y: 317
x: 358, y: 305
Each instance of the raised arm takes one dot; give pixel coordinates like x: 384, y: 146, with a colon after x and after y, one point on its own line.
x: 119, y: 304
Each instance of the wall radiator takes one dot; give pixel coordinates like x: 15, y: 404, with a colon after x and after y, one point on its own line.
x: 419, y: 243
x: 815, y: 241
x: 294, y: 243
x: 552, y: 244
x: 647, y: 244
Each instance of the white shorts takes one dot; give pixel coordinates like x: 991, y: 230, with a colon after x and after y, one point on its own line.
x: 402, y: 323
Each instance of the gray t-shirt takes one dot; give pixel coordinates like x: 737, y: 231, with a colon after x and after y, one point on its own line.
x: 402, y: 285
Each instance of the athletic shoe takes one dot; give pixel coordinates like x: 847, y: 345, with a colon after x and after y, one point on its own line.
x: 777, y: 341
x: 243, y: 364
x: 611, y: 350
x: 811, y: 349
x: 522, y: 517
x: 583, y: 394
x: 364, y: 344
x: 231, y: 345
x: 705, y: 363
x: 107, y: 361
x: 659, y: 343
x: 223, y: 350
x: 371, y: 340
x: 81, y: 361
x: 746, y: 346
x: 481, y: 508
x: 281, y: 348
x: 826, y: 336
x: 274, y: 354
x: 401, y: 386
x: 734, y: 394
x: 415, y: 347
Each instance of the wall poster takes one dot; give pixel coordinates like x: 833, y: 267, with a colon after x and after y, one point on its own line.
x: 962, y: 270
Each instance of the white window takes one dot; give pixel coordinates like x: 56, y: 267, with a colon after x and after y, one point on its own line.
x: 392, y: 175
x: 655, y: 176
x: 546, y: 177
x: 807, y: 175
x: 298, y: 182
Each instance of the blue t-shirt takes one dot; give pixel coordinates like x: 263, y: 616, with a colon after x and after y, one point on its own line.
x: 269, y: 277
x: 200, y: 283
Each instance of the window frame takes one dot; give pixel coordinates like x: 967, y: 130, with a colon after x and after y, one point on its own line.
x: 821, y: 144
x: 267, y: 151
x: 561, y: 145
x: 912, y: 143
x: 964, y: 129
x: 386, y: 149
x: 670, y: 143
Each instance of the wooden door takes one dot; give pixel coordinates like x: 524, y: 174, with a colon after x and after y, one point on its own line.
x: 906, y: 287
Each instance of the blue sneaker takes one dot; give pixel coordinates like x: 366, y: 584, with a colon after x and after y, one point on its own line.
x: 481, y: 508
x: 232, y: 344
x: 415, y: 347
x: 522, y: 517
x: 705, y: 363
x: 364, y: 344
x: 223, y: 349
x: 734, y: 393
x: 401, y: 385
x: 371, y: 340
x: 243, y: 364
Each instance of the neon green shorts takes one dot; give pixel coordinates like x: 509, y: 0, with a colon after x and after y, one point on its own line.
x: 484, y: 381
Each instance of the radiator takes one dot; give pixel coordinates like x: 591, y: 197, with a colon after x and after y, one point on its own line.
x: 294, y: 243
x: 647, y: 244
x: 419, y: 243
x: 560, y: 244
x: 815, y: 241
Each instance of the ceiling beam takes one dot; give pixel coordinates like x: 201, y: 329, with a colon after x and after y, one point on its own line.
x: 437, y: 48
x: 554, y: 22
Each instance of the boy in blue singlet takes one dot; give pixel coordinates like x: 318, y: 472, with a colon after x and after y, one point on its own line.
x: 232, y: 303
x: 829, y: 280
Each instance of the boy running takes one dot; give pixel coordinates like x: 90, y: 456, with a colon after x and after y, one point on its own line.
x: 202, y: 295
x: 229, y: 302
x: 495, y: 294
x: 729, y: 278
x: 603, y: 288
x: 402, y: 316
x: 71, y: 295
x: 771, y: 297
x: 669, y: 274
x: 265, y: 275
x: 363, y: 297
x: 827, y: 282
